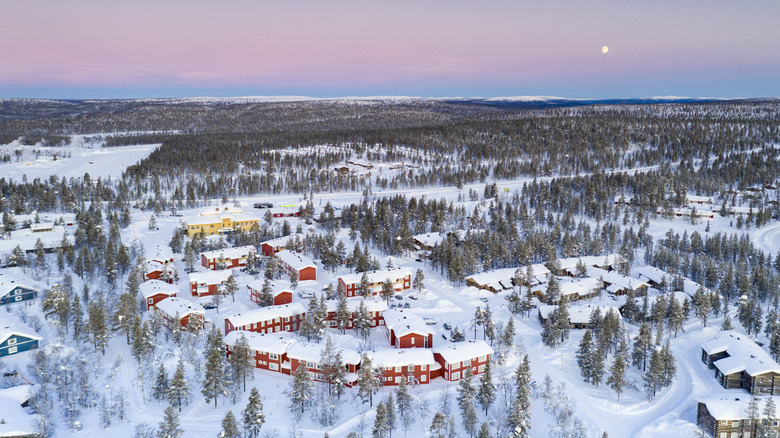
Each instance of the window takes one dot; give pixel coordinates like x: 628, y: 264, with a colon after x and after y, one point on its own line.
x: 12, y: 350
x: 273, y: 366
x: 151, y: 301
x: 273, y: 356
x: 456, y: 375
x: 310, y: 365
x: 398, y: 369
x: 423, y: 367
x: 412, y: 340
x: 12, y: 341
x: 466, y: 362
x: 389, y: 379
x: 422, y: 378
x: 18, y: 298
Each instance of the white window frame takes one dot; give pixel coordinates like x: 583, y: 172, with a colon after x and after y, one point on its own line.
x: 11, y: 341
x: 13, y: 350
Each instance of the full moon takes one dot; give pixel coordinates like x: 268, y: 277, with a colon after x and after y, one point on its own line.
x: 604, y: 49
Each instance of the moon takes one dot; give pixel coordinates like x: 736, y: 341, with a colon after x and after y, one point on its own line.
x: 604, y: 49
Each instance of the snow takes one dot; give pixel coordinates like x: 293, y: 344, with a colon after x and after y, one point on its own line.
x: 389, y: 358
x: 354, y: 303
x: 734, y: 408
x: 570, y: 263
x: 581, y: 286
x: 502, y: 278
x: 14, y: 419
x: 276, y: 343
x: 616, y: 281
x: 403, y: 322
x: 455, y: 352
x: 26, y: 238
x: 311, y: 352
x: 150, y: 288
x: 229, y: 253
x: 579, y: 313
x: 395, y: 275
x: 429, y: 239
x: 8, y: 283
x: 161, y: 253
x: 210, y: 277
x: 266, y: 314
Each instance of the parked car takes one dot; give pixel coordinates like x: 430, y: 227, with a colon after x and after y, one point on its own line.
x: 412, y: 297
x: 306, y: 293
x: 484, y: 299
x: 399, y: 297
x: 447, y: 326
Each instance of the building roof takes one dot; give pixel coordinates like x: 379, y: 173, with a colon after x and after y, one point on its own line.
x: 153, y: 287
x: 8, y: 330
x: 581, y: 286
x: 704, y: 199
x: 276, y: 343
x: 614, y: 279
x: 16, y: 421
x: 657, y: 275
x: 429, y: 239
x: 258, y: 286
x: 266, y: 314
x: 282, y: 241
x: 402, y: 322
x: 172, y: 305
x: 460, y: 351
x: 744, y: 354
x: 230, y: 253
x: 354, y: 303
x: 295, y: 260
x: 210, y: 277
x: 579, y: 314
x: 7, y: 285
x: 161, y: 253
x: 495, y: 277
x: 570, y: 263
x: 378, y: 276
x: 733, y: 408
x: 388, y: 358
x: 311, y: 352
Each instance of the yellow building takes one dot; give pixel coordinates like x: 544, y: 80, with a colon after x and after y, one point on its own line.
x: 219, y: 220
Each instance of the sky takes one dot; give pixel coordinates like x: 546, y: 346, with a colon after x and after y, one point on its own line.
x: 81, y: 49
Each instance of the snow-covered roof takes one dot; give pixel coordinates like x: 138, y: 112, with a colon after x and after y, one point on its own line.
x: 388, y: 358
x: 210, y: 277
x: 258, y: 286
x: 495, y: 277
x: 700, y: 199
x: 16, y: 421
x: 744, y: 354
x: 354, y: 303
x: 7, y: 284
x: 295, y: 260
x: 403, y: 322
x: 281, y: 241
x: 6, y: 331
x: 266, y: 314
x: 161, y: 253
x: 619, y: 281
x: 380, y: 276
x: 172, y: 305
x: 27, y: 239
x: 230, y: 253
x: 579, y: 314
x: 582, y: 286
x: 459, y: 351
x: 311, y: 352
x: 733, y: 408
x: 42, y: 226
x: 429, y: 239
x: 276, y: 343
x: 657, y: 275
x: 570, y: 263
x: 153, y: 287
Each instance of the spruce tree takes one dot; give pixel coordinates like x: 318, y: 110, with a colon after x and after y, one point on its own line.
x: 160, y: 388
x: 643, y: 346
x: 230, y: 426
x: 585, y: 354
x: 405, y: 405
x: 439, y: 425
x: 391, y: 410
x: 654, y: 374
x: 484, y: 431
x: 617, y: 378
x: 417, y: 283
x: 253, y: 416
x: 301, y: 389
x: 266, y: 299
x: 178, y: 388
x: 98, y: 327
x: 240, y: 361
x: 368, y: 383
x: 343, y: 315
x: 597, y: 367
x: 169, y: 426
x: 381, y: 428
x: 562, y: 324
x: 387, y: 290
x: 214, y: 379
x: 519, y: 419
x: 486, y: 393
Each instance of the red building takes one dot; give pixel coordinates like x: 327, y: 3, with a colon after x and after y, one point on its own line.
x: 400, y: 277
x: 284, y: 318
x: 457, y: 357
x: 268, y: 351
x: 173, y: 308
x: 280, y: 296
x: 227, y: 258
x: 155, y: 291
x: 290, y: 262
x: 309, y: 355
x: 415, y: 365
x: 160, y: 265
x: 285, y: 212
x: 375, y: 308
x: 207, y: 283
x: 407, y: 330
x: 270, y: 247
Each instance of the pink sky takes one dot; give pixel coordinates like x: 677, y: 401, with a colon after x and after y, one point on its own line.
x: 372, y: 47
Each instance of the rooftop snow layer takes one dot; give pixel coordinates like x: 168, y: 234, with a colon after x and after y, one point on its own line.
x: 459, y: 351
x: 230, y: 253
x: 172, y: 305
x: 389, y: 358
x: 266, y: 314
x: 153, y: 287
x: 374, y: 277
x: 744, y: 354
x: 311, y: 352
x: 210, y: 277
x: 403, y: 322
x: 579, y: 314
x: 276, y: 343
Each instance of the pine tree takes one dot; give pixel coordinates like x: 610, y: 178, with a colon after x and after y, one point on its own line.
x: 343, y: 315
x: 368, y: 383
x: 381, y: 427
x: 98, y: 328
x: 702, y: 306
x: 169, y: 426
x: 126, y: 315
x: 391, y: 409
x: 553, y: 293
x: 562, y: 324
x: 364, y: 292
x: 597, y: 367
x: 519, y: 419
x: 488, y: 327
x: 439, y: 425
x: 484, y: 431
x: 58, y: 303
x: 178, y: 388
x: 214, y: 379
x: 405, y: 405
x: 387, y: 290
x: 300, y: 390
x: 653, y: 375
x: 417, y: 283
x: 676, y: 316
x: 764, y: 427
x: 253, y: 416
x: 266, y: 299
x: 189, y: 257
x: 229, y: 427
x: 231, y: 287
x: 486, y: 393
x: 160, y: 388
x: 585, y: 354
x: 240, y: 361
x: 668, y: 367
x: 617, y: 378
x: 362, y: 320
x: 643, y: 346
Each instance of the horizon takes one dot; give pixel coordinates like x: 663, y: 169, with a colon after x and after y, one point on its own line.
x: 95, y: 50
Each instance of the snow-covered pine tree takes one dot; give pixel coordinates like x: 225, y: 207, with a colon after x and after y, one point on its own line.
x: 439, y: 425
x: 214, y: 378
x: 391, y: 409
x: 362, y: 320
x: 364, y: 292
x: 160, y: 388
x: 617, y: 377
x: 169, y: 426
x: 178, y: 388
x: 466, y: 395
x: 126, y: 315
x: 368, y: 383
x: 520, y: 413
x: 381, y: 428
x: 405, y: 403
x: 229, y: 426
x: 240, y: 361
x: 253, y: 416
x: 488, y: 327
x: 643, y: 346
x: 98, y: 326
x: 301, y: 389
x: 387, y: 290
x: 484, y: 431
x: 57, y: 303
x: 231, y: 287
x: 585, y: 354
x: 266, y: 299
x: 343, y: 315
x: 486, y: 392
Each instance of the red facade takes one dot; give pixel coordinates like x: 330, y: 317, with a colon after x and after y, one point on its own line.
x: 152, y: 300
x: 279, y: 324
x: 264, y: 360
x: 352, y: 289
x: 456, y: 371
x: 211, y: 263
x: 391, y: 376
x: 412, y: 340
x: 376, y: 319
x: 212, y: 289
